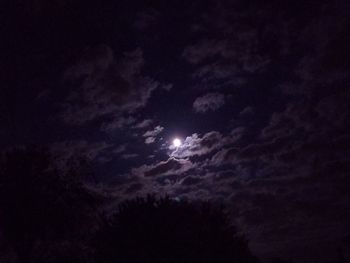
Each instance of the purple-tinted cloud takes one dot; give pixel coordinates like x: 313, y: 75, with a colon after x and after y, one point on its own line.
x: 129, y: 155
x: 152, y: 133
x: 209, y: 102
x: 143, y: 124
x: 118, y: 123
x: 93, y: 151
x: 150, y: 140
x: 195, y: 145
x: 108, y: 85
x: 170, y: 166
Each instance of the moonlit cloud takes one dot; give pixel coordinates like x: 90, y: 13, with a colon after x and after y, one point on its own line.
x: 150, y: 140
x: 199, y: 145
x: 152, y: 133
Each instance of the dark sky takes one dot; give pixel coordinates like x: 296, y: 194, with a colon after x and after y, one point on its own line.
x: 258, y: 92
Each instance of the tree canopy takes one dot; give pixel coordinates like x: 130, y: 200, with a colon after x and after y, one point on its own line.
x: 166, y: 230
x: 47, y: 215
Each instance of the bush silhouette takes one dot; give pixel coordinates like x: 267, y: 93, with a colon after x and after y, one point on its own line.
x: 165, y: 230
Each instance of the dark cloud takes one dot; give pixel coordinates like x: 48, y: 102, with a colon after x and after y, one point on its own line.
x: 133, y: 188
x: 120, y: 149
x: 93, y: 151
x: 209, y: 102
x: 227, y: 174
x: 279, y: 173
x: 247, y: 111
x: 190, y: 180
x: 103, y: 85
x: 146, y: 19
x: 204, y: 50
x: 143, y: 124
x: 118, y: 123
x: 129, y: 155
x: 229, y: 56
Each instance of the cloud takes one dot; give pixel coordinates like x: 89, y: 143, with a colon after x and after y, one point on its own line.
x: 195, y: 145
x: 153, y: 133
x: 120, y: 149
x: 103, y: 85
x: 170, y: 166
x: 118, y: 123
x: 134, y: 187
x: 224, y: 156
x: 247, y: 111
x: 143, y: 124
x: 94, y: 151
x: 191, y: 180
x: 146, y: 19
x: 237, y: 133
x: 150, y: 140
x: 209, y: 102
x: 205, y: 49
x: 229, y: 59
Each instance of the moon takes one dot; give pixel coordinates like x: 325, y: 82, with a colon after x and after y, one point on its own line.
x: 177, y: 142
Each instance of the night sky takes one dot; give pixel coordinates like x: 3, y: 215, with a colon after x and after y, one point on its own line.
x: 257, y: 92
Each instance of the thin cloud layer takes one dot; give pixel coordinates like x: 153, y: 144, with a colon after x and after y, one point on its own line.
x: 170, y: 166
x: 143, y: 124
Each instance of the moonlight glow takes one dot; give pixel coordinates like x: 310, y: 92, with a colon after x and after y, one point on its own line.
x: 177, y: 142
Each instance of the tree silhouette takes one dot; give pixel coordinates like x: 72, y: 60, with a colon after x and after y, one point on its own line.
x: 40, y: 208
x: 165, y: 230
x: 49, y: 216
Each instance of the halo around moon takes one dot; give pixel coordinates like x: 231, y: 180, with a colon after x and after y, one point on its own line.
x: 177, y: 142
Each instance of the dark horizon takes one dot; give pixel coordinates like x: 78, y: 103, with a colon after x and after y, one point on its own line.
x: 241, y: 103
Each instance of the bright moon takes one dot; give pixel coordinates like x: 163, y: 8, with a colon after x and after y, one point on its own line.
x: 176, y: 142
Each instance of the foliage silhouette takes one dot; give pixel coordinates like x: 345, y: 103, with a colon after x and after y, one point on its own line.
x: 165, y: 230
x: 41, y: 209
x: 47, y: 215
